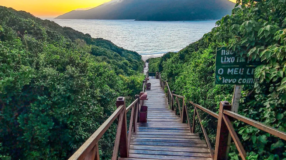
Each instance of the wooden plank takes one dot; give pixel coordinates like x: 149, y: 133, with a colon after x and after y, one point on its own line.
x: 257, y: 124
x: 167, y: 157
x: 155, y: 159
x: 162, y: 123
x: 165, y: 136
x: 168, y: 148
x: 164, y: 120
x: 164, y: 133
x: 150, y: 113
x: 159, y: 112
x: 93, y: 139
x: 235, y: 138
x: 156, y: 103
x: 158, y: 109
x: 168, y: 140
x: 170, y: 153
x: 157, y: 126
x: 163, y: 116
x: 158, y: 130
x: 193, y: 144
x: 161, y: 128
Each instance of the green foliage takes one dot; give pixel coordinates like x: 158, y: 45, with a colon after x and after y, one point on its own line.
x: 254, y: 30
x: 153, y: 65
x: 57, y: 87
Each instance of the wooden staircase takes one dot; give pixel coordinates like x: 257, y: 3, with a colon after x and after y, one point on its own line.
x: 164, y: 136
x: 167, y: 135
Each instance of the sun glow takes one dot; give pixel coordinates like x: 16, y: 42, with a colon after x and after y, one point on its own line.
x: 234, y: 1
x: 51, y: 8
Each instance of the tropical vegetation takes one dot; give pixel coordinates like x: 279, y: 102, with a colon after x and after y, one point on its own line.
x: 57, y: 86
x: 255, y: 29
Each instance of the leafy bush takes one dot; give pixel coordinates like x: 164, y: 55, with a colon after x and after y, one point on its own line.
x: 254, y: 30
x: 153, y: 65
x: 57, y: 87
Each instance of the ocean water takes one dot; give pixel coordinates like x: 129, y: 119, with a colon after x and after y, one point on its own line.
x: 148, y: 38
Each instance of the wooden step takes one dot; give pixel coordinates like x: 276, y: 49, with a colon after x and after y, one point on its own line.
x: 164, y: 136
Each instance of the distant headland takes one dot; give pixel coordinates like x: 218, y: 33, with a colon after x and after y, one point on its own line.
x: 155, y: 10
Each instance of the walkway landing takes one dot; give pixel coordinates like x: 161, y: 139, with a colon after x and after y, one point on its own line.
x: 164, y: 136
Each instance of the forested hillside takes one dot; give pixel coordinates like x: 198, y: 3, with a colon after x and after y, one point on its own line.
x: 254, y: 30
x: 57, y: 86
x: 155, y: 10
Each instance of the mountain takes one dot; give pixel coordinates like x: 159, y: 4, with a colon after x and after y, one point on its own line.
x: 155, y: 10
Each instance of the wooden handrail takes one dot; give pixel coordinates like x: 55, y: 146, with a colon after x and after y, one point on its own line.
x: 94, y: 138
x: 119, y: 133
x: 256, y: 124
x: 205, y: 134
x: 234, y: 137
x: 131, y: 105
x: 169, y: 88
x: 89, y: 149
x: 215, y: 115
x: 224, y: 127
x: 179, y: 106
x: 178, y: 96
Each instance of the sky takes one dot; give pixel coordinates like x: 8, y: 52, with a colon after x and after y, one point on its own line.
x: 51, y: 8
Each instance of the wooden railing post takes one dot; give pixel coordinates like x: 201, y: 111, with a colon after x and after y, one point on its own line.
x: 157, y: 75
x: 137, y: 105
x: 93, y: 154
x: 121, y: 135
x: 194, y: 121
x: 172, y: 101
x: 184, y: 113
x: 222, y: 133
x: 143, y: 89
x: 168, y: 94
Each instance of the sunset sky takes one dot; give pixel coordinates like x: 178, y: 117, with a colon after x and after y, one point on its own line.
x: 51, y: 8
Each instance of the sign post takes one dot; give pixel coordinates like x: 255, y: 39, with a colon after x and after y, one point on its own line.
x: 235, y: 98
x: 232, y: 69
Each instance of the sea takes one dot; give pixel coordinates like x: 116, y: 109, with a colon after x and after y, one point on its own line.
x: 148, y: 38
